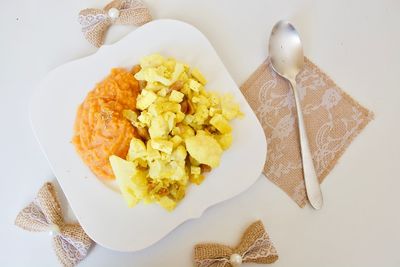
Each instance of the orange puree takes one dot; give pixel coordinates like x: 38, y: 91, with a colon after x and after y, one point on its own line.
x: 100, y: 128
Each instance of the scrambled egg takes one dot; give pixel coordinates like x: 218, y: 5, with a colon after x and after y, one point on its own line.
x: 183, y: 130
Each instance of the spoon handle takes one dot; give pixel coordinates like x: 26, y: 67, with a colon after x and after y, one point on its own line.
x: 313, y: 188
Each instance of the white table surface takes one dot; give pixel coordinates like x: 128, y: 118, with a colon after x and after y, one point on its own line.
x: 356, y: 42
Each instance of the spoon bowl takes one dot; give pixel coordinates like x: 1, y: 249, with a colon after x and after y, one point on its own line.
x: 286, y: 50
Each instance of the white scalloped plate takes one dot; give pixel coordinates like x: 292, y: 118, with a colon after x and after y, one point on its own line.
x: 100, y: 210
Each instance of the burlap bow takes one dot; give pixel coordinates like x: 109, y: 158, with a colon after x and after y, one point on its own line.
x: 44, y: 214
x: 255, y: 247
x: 95, y: 22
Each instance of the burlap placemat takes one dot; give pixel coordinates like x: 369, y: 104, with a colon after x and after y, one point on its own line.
x: 332, y: 118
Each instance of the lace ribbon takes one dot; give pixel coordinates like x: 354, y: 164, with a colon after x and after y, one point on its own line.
x: 255, y: 247
x: 44, y: 214
x: 95, y: 22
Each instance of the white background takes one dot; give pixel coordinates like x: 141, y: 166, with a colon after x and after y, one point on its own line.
x: 356, y: 42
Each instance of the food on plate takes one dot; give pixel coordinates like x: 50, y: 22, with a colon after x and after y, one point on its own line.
x: 166, y: 132
x: 101, y: 130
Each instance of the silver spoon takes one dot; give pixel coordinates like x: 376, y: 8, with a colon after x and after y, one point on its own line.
x: 286, y: 54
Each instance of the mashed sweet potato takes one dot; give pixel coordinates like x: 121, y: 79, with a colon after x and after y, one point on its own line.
x: 100, y: 128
